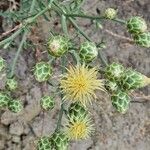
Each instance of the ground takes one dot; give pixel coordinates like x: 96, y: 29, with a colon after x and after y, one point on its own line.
x: 113, y: 131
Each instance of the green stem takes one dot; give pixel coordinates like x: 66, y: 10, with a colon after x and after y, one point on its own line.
x: 24, y: 37
x: 26, y: 22
x: 79, y: 29
x: 94, y: 17
x: 62, y: 103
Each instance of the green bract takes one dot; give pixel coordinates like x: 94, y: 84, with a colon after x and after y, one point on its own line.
x: 76, y: 110
x: 44, y: 144
x: 120, y: 101
x: 110, y: 13
x: 58, y: 45
x: 136, y: 25
x: 59, y: 141
x: 2, y: 63
x: 88, y: 51
x: 114, y: 71
x: 4, y: 100
x: 11, y: 84
x: 142, y: 39
x: 15, y: 106
x: 111, y: 86
x: 42, y: 71
x: 132, y: 80
x: 47, y: 103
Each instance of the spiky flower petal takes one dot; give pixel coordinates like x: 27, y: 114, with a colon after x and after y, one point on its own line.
x: 59, y: 141
x: 2, y: 63
x: 42, y: 71
x: 80, y: 83
x: 110, y: 13
x: 142, y: 39
x: 136, y: 25
x: 120, y: 101
x: 114, y: 71
x: 79, y: 128
x: 47, y: 103
x: 11, y: 84
x: 58, y: 45
x: 133, y: 80
x: 15, y: 106
x: 88, y: 51
x: 44, y: 143
x: 4, y: 100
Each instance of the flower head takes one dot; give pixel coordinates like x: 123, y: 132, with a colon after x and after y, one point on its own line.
x: 79, y: 128
x: 79, y: 84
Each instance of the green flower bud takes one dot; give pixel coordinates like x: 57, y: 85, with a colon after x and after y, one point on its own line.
x: 133, y: 80
x: 2, y: 63
x: 110, y: 13
x: 11, y: 84
x: 47, y: 103
x: 4, y: 100
x: 42, y: 71
x: 88, y: 51
x: 58, y: 45
x: 120, y: 101
x: 44, y: 143
x: 142, y: 39
x: 136, y: 25
x: 114, y: 71
x: 59, y: 141
x: 111, y: 86
x: 77, y: 110
x: 15, y: 106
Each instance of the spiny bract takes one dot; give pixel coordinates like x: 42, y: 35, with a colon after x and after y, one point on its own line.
x: 58, y: 45
x: 59, y: 141
x: 133, y: 80
x: 44, y: 143
x: 15, y: 106
x: 110, y: 13
x: 114, y: 71
x: 120, y: 101
x: 42, y: 71
x: 88, y: 51
x: 142, y: 39
x: 111, y: 86
x: 2, y: 63
x: 136, y: 25
x: 47, y: 103
x: 76, y: 109
x: 79, y: 127
x: 4, y: 100
x: 11, y: 84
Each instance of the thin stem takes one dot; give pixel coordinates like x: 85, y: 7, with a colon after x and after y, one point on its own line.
x: 18, y: 52
x: 62, y: 104
x: 103, y: 60
x: 79, y: 29
x: 94, y: 17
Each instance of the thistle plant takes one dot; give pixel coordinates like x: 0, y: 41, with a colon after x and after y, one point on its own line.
x: 80, y: 80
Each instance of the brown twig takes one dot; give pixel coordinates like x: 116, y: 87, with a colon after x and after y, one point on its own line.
x: 118, y: 36
x: 10, y: 31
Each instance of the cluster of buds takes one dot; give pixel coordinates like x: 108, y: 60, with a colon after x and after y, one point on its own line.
x: 110, y: 13
x: 120, y: 81
x: 138, y: 29
x: 7, y: 102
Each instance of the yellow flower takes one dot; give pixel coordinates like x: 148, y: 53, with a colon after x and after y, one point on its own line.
x: 80, y: 83
x: 79, y: 128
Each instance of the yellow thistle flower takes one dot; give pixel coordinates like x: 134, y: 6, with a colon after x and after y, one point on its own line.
x: 80, y: 83
x: 79, y: 128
